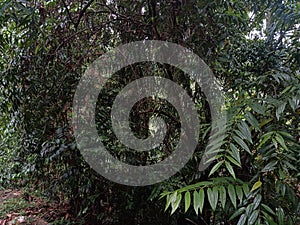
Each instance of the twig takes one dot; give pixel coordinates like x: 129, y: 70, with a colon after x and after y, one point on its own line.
x: 68, y: 12
x: 82, y: 13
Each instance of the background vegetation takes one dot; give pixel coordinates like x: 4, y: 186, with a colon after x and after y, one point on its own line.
x: 251, y: 46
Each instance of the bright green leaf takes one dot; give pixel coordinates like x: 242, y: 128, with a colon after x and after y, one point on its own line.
x: 187, y: 201
x: 256, y: 185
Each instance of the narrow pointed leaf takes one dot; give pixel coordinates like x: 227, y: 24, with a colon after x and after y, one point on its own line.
x: 281, y: 141
x: 270, y: 166
x: 241, y: 143
x: 280, y: 216
x: 212, y: 195
x: 257, y: 201
x: 232, y: 196
x: 187, y: 201
x: 237, y: 213
x: 230, y: 169
x: 215, y: 168
x: 267, y: 208
x: 246, y: 189
x: 232, y: 160
x: 201, y: 197
x: 235, y: 153
x: 175, y: 204
x: 253, y: 217
x: 222, y: 192
x: 242, y: 220
x: 256, y: 185
x: 252, y: 120
x: 239, y: 193
x: 196, y: 202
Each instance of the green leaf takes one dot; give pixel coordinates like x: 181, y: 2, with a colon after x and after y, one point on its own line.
x: 264, y: 122
x: 187, y: 201
x: 235, y: 153
x: 249, y: 209
x: 233, y: 161
x: 222, y: 192
x: 268, y: 218
x: 256, y: 185
x: 265, y: 138
x: 275, y: 142
x: 270, y: 166
x: 213, y: 158
x: 253, y: 217
x: 257, y: 107
x: 197, y: 201
x: 239, y: 193
x: 173, y: 196
x: 268, y: 209
x: 168, y: 202
x: 280, y: 216
x: 230, y: 169
x: 280, y: 110
x: 252, y: 120
x: 246, y: 189
x: 176, y: 203
x: 281, y: 141
x: 201, y: 196
x: 232, y: 196
x: 257, y: 201
x: 242, y: 143
x: 212, y: 195
x: 215, y: 168
x: 237, y: 213
x: 244, y: 128
x: 242, y: 220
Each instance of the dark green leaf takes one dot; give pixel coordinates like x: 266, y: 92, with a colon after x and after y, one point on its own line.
x: 235, y: 153
x: 270, y: 166
x: 222, y: 192
x: 252, y: 120
x: 280, y: 216
x: 230, y: 169
x: 257, y: 201
x: 237, y: 213
x: 246, y: 189
x: 267, y: 208
x: 239, y: 193
x: 241, y: 143
x: 281, y: 141
x: 232, y: 196
x: 212, y: 198
x: 253, y: 217
x: 215, y: 168
x: 242, y: 220
x: 233, y: 161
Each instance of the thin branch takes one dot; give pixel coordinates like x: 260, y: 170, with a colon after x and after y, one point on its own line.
x: 68, y: 12
x: 82, y: 12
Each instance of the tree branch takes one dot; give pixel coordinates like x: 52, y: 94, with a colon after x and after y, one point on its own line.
x: 82, y: 13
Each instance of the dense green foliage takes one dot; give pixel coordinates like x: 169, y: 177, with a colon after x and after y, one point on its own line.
x: 253, y: 49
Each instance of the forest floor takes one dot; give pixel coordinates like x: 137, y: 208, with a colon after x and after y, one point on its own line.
x: 28, y: 207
